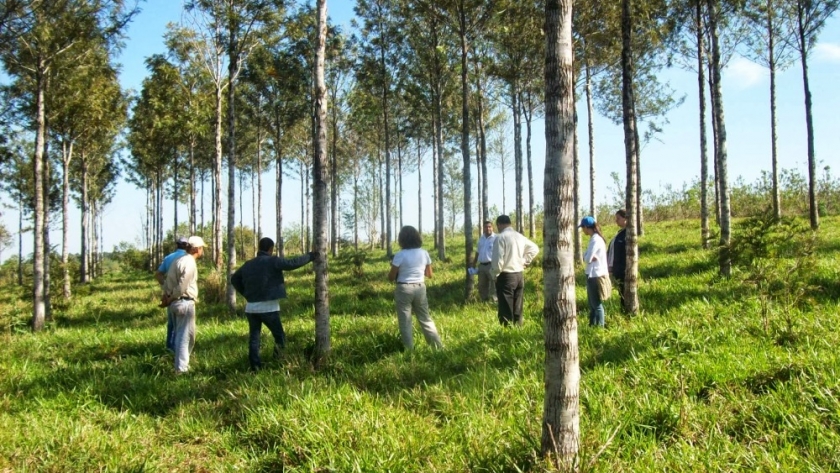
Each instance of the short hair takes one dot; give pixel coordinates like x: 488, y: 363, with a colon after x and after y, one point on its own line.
x: 621, y: 213
x: 266, y: 244
x: 182, y: 245
x: 502, y: 220
x: 488, y: 222
x: 409, y: 238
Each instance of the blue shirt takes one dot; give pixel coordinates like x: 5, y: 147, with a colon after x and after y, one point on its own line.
x: 167, y: 261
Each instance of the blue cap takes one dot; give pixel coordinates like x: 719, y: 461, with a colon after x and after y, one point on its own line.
x: 587, y: 222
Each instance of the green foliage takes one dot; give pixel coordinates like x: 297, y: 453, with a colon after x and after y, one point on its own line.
x: 692, y: 384
x: 776, y: 256
x: 131, y: 258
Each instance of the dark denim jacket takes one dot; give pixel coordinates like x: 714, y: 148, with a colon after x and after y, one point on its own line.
x: 261, y: 279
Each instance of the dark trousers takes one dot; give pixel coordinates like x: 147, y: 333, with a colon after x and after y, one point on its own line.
x: 509, y: 287
x: 619, y: 286
x: 255, y: 323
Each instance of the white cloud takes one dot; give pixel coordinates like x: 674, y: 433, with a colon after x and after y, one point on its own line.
x: 828, y: 52
x: 743, y: 73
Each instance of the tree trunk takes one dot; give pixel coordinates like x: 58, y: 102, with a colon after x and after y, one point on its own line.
x: 628, y: 99
x: 83, y: 201
x: 319, y: 179
x: 335, y: 232
x: 278, y: 197
x: 192, y: 188
x: 419, y: 189
x: 590, y: 126
x: 529, y: 114
x: 441, y: 221
x: 66, y: 157
x: 233, y: 65
x: 576, y: 176
x: 561, y: 418
x: 38, y: 304
x: 720, y: 152
x: 809, y: 121
x: 771, y: 62
x: 704, y: 152
x: 465, y: 153
x: 217, y: 189
x: 517, y: 154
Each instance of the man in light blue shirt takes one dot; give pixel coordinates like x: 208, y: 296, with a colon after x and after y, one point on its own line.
x: 483, y: 257
x: 181, y: 245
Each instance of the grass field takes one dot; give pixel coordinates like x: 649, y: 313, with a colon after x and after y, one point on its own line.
x: 701, y: 380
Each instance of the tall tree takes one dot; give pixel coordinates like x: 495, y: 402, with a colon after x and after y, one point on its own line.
x: 809, y: 16
x: 43, y: 33
x: 319, y: 183
x: 631, y: 143
x: 769, y: 45
x: 561, y: 410
x: 724, y: 261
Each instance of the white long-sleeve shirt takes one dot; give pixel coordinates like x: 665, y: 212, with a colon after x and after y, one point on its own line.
x: 512, y: 252
x: 182, y: 278
x: 596, y: 257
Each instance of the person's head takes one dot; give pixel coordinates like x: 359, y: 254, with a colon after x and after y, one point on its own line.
x: 621, y: 218
x: 409, y: 238
x: 195, y: 246
x: 266, y: 245
x: 181, y: 243
x: 590, y: 226
x: 488, y: 228
x: 502, y: 222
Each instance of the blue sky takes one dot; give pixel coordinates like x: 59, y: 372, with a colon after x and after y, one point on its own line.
x: 674, y: 159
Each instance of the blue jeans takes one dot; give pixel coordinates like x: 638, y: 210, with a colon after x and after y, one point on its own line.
x: 596, y: 307
x: 183, y: 312
x: 255, y: 323
x: 170, y: 329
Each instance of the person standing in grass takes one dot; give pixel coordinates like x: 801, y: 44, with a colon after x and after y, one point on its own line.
x: 409, y: 268
x: 617, y: 253
x: 260, y: 281
x: 483, y: 257
x: 596, y: 267
x: 160, y: 275
x: 512, y: 253
x: 180, y: 287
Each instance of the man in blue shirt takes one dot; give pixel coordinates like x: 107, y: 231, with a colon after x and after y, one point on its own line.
x: 181, y: 245
x: 483, y: 257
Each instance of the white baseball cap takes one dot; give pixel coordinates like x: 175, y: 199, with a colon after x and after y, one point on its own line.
x: 196, y: 242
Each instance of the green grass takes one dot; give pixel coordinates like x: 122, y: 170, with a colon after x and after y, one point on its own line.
x: 696, y: 382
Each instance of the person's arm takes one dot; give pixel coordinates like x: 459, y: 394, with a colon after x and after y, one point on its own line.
x: 497, y: 257
x: 236, y: 281
x: 531, y: 251
x: 477, y: 249
x: 428, y: 271
x: 392, y: 276
x: 294, y: 263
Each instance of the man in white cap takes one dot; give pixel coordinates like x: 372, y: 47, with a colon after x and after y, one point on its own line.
x: 181, y: 288
x: 160, y: 275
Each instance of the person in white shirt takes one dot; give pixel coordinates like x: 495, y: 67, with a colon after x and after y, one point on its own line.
x: 483, y: 258
x: 512, y: 252
x: 181, y: 288
x: 596, y: 266
x: 409, y: 268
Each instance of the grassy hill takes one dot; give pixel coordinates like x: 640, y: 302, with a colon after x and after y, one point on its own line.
x: 709, y: 377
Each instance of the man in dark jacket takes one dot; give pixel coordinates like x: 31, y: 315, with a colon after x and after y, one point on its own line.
x: 260, y: 281
x: 617, y: 253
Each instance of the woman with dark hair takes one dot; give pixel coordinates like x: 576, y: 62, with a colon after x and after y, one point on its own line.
x: 596, y: 267
x: 409, y: 268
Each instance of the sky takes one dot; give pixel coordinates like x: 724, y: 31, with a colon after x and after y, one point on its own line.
x: 672, y: 159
